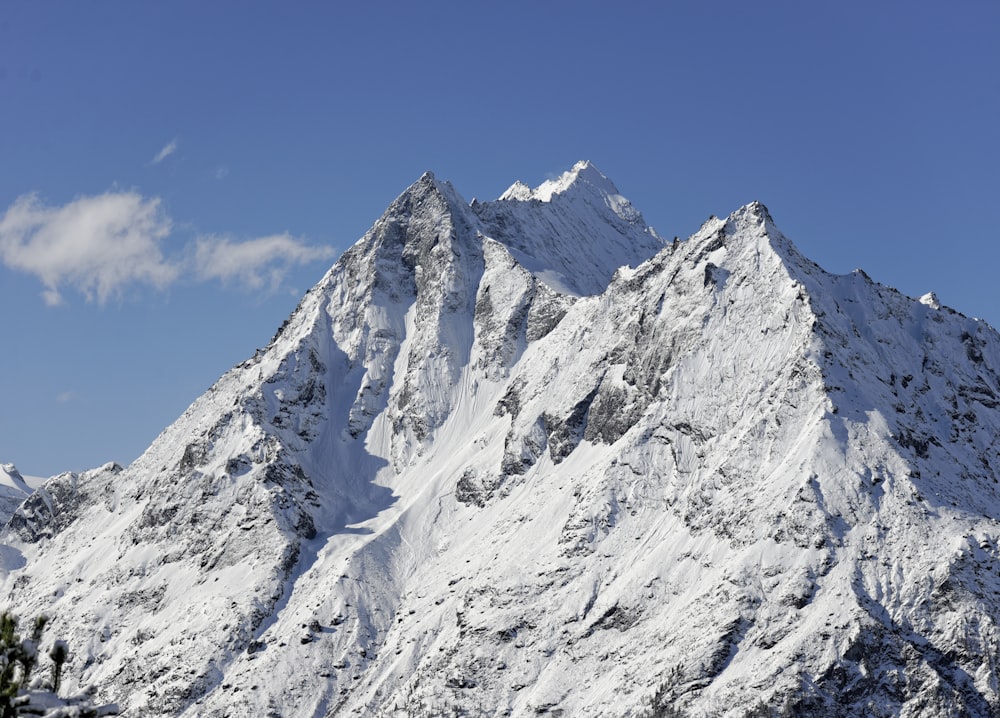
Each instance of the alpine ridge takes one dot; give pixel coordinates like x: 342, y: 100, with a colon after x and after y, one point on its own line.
x: 523, y: 457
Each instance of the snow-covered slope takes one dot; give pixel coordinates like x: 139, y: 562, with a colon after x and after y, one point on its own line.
x: 14, y: 488
x: 485, y: 467
x: 11, y: 480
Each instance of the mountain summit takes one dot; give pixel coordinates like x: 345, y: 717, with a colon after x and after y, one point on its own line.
x: 520, y: 457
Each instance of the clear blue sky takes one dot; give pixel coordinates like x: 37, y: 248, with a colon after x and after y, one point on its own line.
x: 173, y: 176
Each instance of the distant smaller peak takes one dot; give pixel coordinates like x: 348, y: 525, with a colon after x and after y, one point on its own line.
x: 931, y: 300
x: 583, y: 176
x: 518, y: 191
x: 11, y: 478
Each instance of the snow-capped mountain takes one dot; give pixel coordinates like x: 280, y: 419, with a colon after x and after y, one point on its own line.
x: 520, y: 457
x: 14, y: 489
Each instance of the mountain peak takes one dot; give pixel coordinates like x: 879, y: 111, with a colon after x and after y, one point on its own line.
x: 582, y: 190
x: 518, y: 191
x: 429, y: 184
x: 755, y: 214
x: 572, y: 232
x: 13, y: 490
x: 11, y: 477
x: 583, y: 176
x: 758, y: 209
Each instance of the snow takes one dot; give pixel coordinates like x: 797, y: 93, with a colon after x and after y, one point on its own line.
x: 518, y: 191
x: 573, y: 244
x: 518, y: 457
x: 583, y: 172
x: 15, y: 488
x: 11, y: 478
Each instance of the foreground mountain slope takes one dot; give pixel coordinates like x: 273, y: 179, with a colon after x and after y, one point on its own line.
x: 480, y: 469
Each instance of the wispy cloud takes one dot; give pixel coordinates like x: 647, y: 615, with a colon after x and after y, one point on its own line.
x: 66, y: 397
x: 103, y: 244
x: 221, y: 172
x: 254, y: 263
x: 168, y: 150
x: 98, y: 245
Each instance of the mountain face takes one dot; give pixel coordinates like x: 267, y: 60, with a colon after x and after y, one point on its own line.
x: 14, y: 489
x: 521, y: 457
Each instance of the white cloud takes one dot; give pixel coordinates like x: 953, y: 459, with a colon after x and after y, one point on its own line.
x: 98, y: 244
x: 103, y: 244
x: 254, y: 263
x: 66, y: 397
x: 221, y: 172
x: 168, y: 150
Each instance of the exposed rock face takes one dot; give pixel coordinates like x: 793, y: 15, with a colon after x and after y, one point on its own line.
x: 486, y: 465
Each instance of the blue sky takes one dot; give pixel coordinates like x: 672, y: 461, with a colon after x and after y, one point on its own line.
x: 174, y: 176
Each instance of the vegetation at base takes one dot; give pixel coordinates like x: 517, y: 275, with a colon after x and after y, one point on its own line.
x: 23, y: 695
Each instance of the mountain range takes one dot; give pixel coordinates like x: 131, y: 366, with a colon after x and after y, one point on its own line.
x: 525, y: 457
